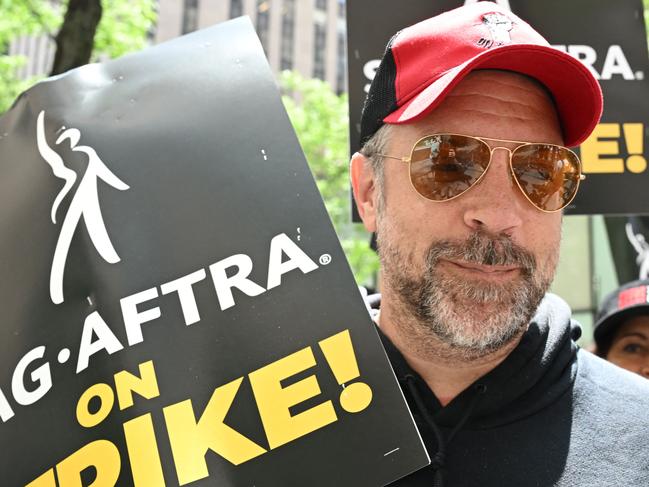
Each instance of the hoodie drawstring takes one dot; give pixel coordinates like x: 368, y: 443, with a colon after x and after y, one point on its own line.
x: 438, y: 461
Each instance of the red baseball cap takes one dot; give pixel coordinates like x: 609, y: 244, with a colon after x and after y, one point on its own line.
x: 425, y: 61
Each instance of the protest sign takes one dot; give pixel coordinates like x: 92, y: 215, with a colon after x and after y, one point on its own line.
x: 176, y: 308
x: 608, y: 37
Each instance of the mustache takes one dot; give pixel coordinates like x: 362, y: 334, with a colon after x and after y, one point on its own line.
x: 484, y: 249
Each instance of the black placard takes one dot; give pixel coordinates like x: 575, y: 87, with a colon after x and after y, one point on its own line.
x: 176, y: 307
x: 608, y: 36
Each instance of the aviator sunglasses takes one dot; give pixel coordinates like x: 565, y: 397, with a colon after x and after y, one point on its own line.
x: 445, y: 166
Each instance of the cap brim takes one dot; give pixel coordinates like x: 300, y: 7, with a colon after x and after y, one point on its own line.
x: 606, y: 327
x: 576, y: 92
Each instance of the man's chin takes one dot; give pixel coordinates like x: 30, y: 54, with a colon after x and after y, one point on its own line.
x: 478, y: 343
x: 479, y: 296
x: 477, y: 308
x: 475, y: 328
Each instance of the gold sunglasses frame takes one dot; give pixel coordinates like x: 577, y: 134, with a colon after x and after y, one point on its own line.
x: 519, y: 144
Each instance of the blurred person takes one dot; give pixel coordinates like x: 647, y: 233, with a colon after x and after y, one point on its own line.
x: 622, y: 327
x: 463, y: 173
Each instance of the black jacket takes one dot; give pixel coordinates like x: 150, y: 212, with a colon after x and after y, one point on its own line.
x: 550, y: 414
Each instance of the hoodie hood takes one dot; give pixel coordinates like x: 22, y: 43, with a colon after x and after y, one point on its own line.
x: 536, y: 373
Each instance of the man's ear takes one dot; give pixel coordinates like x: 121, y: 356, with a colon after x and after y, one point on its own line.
x: 365, y: 189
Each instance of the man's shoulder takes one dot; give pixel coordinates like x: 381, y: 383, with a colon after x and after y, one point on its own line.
x: 609, y: 425
x: 610, y: 388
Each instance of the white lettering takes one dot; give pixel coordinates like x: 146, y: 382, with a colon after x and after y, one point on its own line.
x: 297, y: 259
x: 6, y: 413
x: 40, y: 376
x: 133, y: 319
x: 587, y: 55
x: 106, y: 340
x: 183, y: 286
x: 224, y: 284
x: 231, y: 272
x: 616, y: 63
x: 369, y: 70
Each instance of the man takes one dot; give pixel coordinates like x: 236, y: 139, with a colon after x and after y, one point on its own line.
x: 622, y: 327
x: 463, y: 175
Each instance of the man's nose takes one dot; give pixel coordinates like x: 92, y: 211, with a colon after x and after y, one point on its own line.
x: 495, y: 205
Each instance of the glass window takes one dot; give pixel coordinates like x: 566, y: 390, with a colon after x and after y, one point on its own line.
x: 236, y: 8
x: 288, y: 34
x: 190, y: 16
x: 341, y: 68
x: 263, y: 21
x: 319, y: 45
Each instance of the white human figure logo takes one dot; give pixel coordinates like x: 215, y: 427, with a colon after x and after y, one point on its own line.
x: 85, y: 202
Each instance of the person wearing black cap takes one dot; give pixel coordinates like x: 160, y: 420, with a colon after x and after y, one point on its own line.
x: 462, y: 174
x: 622, y: 327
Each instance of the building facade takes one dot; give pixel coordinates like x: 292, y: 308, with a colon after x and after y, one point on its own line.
x: 308, y: 36
x: 38, y: 52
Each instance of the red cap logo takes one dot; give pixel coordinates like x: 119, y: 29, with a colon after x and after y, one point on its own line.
x: 633, y: 296
x: 499, y: 27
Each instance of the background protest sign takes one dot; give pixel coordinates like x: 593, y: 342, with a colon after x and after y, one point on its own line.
x: 176, y: 307
x: 609, y: 37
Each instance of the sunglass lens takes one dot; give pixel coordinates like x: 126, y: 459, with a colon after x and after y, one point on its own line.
x: 547, y: 174
x: 445, y: 166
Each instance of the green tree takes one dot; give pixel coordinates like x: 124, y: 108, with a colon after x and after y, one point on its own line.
x: 19, y: 18
x: 123, y: 26
x: 320, y: 118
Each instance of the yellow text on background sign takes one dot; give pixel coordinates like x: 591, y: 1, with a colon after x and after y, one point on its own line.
x: 192, y: 437
x: 601, y: 152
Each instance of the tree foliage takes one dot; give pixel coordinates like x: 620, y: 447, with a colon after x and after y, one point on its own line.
x: 320, y: 118
x: 17, y: 19
x: 123, y: 28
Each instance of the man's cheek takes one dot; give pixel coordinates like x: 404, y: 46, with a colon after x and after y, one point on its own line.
x: 547, y: 266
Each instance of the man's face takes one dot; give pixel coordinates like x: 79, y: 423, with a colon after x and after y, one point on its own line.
x: 470, y: 271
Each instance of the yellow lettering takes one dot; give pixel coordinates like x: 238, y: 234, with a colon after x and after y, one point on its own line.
x: 101, y: 454
x: 107, y: 398
x: 634, y: 136
x: 45, y: 480
x: 190, y: 440
x: 274, y: 401
x: 143, y: 452
x: 126, y: 383
x: 594, y: 147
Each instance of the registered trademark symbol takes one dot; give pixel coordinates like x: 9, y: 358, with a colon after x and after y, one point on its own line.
x: 639, y: 75
x: 325, y: 259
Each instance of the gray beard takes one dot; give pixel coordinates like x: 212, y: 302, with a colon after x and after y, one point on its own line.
x: 471, y: 319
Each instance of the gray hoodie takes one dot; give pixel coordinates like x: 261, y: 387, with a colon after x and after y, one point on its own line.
x: 551, y: 414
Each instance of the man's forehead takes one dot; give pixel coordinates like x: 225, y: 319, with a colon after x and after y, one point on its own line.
x: 493, y: 95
